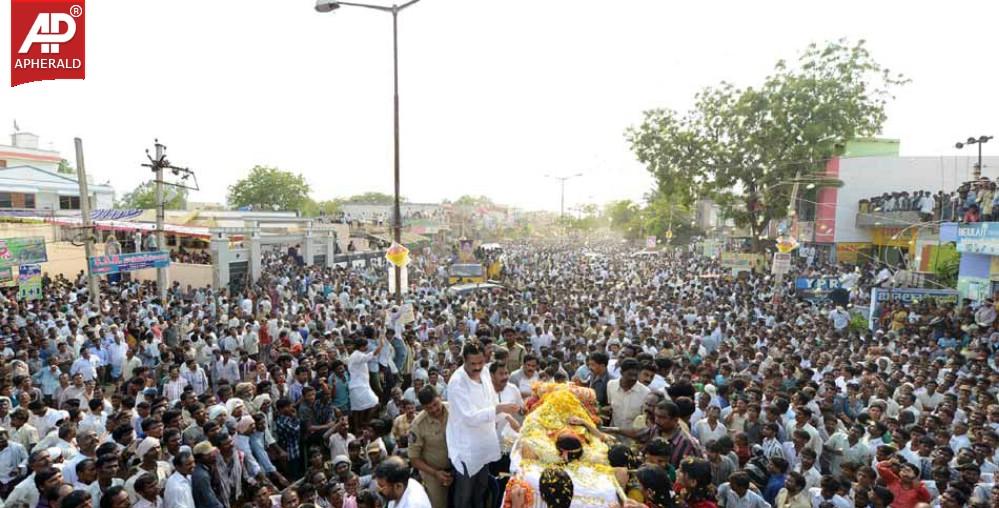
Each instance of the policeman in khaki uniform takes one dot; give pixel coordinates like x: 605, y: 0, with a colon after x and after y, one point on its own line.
x: 428, y: 447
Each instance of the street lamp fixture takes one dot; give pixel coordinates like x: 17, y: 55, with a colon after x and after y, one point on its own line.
x: 325, y: 6
x: 980, y: 140
x: 330, y: 6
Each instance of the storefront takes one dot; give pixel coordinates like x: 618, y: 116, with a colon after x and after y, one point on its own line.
x: 978, y: 275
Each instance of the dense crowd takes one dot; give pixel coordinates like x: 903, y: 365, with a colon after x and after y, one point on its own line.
x: 196, y: 257
x: 974, y: 201
x: 313, y: 387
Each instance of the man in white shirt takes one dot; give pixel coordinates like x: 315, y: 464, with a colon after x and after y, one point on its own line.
x: 625, y: 395
x: 27, y: 491
x: 13, y: 461
x: 85, y: 366
x: 525, y: 377
x: 87, y: 441
x: 117, y: 353
x: 506, y: 393
x: 251, y: 340
x: 132, y: 362
x: 174, y: 387
x: 839, y: 318
x: 736, y: 493
x: 195, y: 376
x: 928, y: 397
x: 826, y: 493
x: 178, y: 493
x: 395, y: 485
x: 227, y: 368
x: 473, y: 408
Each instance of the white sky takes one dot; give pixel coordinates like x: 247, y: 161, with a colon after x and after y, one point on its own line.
x: 494, y: 94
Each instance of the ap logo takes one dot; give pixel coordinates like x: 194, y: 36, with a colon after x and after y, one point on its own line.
x: 50, y: 30
x: 47, y: 40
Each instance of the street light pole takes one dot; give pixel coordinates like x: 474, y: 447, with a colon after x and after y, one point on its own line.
x: 980, y: 140
x: 329, y: 6
x: 397, y: 226
x: 562, y: 180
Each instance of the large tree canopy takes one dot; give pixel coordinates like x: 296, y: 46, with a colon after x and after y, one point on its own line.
x: 658, y: 215
x: 269, y: 188
x: 742, y: 146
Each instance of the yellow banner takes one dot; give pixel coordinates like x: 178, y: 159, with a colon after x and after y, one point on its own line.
x: 852, y: 252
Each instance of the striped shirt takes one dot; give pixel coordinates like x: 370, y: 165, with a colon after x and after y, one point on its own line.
x: 684, y: 445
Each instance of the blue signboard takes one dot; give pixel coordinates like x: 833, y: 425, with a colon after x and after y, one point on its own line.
x: 816, y: 283
x: 121, y: 263
x: 978, y: 238
x: 815, y: 289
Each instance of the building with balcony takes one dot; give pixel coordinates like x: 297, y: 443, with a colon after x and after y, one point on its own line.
x: 842, y: 223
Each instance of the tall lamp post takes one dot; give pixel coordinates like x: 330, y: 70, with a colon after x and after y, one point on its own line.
x: 330, y: 6
x: 562, y: 180
x: 980, y: 140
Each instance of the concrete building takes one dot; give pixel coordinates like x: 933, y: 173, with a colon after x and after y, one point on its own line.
x: 840, y: 226
x: 47, y: 192
x: 410, y: 211
x: 30, y: 180
x: 23, y: 151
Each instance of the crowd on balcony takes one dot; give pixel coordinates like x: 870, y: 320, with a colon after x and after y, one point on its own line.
x: 194, y: 257
x: 975, y: 201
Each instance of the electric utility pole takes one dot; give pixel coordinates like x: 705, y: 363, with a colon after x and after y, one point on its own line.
x: 157, y: 164
x: 88, y: 230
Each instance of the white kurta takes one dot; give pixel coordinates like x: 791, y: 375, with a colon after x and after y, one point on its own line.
x: 361, y: 395
x: 471, y: 424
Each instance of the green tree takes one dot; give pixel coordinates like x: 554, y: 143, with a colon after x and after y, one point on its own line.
x: 372, y: 198
x: 65, y: 168
x: 270, y: 188
x: 313, y: 208
x: 625, y: 217
x: 621, y: 212
x: 664, y: 213
x: 742, y: 147
x: 144, y: 197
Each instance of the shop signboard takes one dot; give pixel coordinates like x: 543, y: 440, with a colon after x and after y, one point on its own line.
x: 781, y: 264
x: 815, y: 288
x: 22, y: 251
x: 121, y: 263
x: 978, y: 238
x: 710, y: 249
x: 29, y: 282
x: 740, y: 262
x: 880, y: 296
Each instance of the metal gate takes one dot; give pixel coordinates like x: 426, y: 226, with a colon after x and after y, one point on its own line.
x: 239, y: 275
